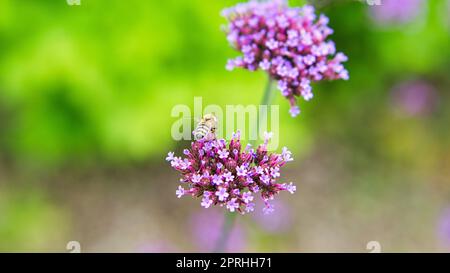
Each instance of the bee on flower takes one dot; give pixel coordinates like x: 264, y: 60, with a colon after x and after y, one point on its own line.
x: 225, y: 174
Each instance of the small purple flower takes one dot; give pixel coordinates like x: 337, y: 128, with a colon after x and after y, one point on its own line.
x: 294, y: 111
x: 307, y: 94
x: 228, y: 176
x: 219, y: 165
x: 241, y: 171
x: 249, y: 58
x: 259, y: 170
x: 265, y: 179
x: 247, y: 197
x: 282, y: 21
x: 286, y: 154
x: 292, y: 34
x: 293, y: 73
x: 223, y: 154
x: 267, y: 136
x: 290, y: 187
x: 246, y: 49
x: 206, y: 202
x: 249, y: 180
x: 196, y: 178
x: 272, y: 44
x: 217, y: 179
x: 232, y: 205
x: 289, y: 43
x: 283, y: 87
x: 230, y: 65
x: 180, y: 192
x: 222, y: 194
x: 275, y: 172
x: 185, y: 164
x: 176, y: 162
x: 306, y: 39
x: 170, y: 156
x: 264, y: 64
x: 249, y: 207
x: 282, y: 70
x: 309, y: 59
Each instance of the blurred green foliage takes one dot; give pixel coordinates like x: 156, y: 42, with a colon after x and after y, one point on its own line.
x: 29, y: 222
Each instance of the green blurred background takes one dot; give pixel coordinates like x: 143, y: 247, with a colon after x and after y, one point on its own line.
x: 86, y: 94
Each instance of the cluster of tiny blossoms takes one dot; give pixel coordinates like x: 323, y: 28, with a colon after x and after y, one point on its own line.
x: 289, y: 43
x: 226, y: 175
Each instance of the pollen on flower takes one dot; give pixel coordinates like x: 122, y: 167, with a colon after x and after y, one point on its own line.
x: 289, y: 43
x: 231, y: 181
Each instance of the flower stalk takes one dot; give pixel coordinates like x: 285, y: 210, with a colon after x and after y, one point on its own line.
x: 229, y: 218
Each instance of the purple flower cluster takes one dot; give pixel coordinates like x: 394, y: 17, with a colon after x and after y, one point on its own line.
x: 228, y: 175
x: 289, y: 43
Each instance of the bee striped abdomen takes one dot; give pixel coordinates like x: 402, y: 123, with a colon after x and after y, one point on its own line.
x: 201, y: 131
x: 206, y: 127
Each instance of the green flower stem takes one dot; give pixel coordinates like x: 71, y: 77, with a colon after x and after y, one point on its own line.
x: 266, y: 100
x: 268, y: 94
x: 230, y: 216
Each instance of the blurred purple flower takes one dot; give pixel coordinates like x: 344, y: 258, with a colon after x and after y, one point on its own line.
x: 206, y: 227
x: 414, y: 97
x: 289, y: 43
x: 397, y: 11
x: 276, y: 222
x: 443, y: 227
x: 231, y: 180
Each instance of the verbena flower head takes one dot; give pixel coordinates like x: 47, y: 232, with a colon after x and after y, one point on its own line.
x: 289, y: 43
x: 224, y: 174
